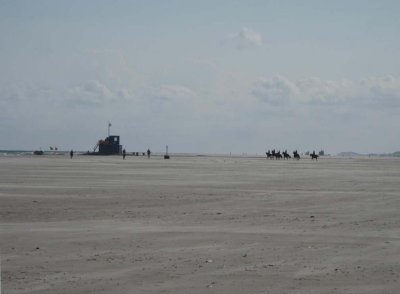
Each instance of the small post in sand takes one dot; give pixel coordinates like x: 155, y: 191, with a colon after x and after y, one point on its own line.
x: 166, y: 156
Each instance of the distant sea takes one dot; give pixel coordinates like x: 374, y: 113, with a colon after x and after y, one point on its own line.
x: 16, y: 153
x: 29, y: 153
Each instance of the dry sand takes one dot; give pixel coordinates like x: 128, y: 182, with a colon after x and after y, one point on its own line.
x: 199, y: 225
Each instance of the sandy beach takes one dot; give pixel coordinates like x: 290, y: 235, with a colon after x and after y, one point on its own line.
x: 199, y: 225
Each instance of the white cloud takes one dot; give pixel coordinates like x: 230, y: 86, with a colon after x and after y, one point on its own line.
x: 174, y: 92
x: 124, y: 93
x: 333, y: 109
x: 95, y: 93
x: 380, y: 92
x: 316, y: 90
x: 245, y: 38
x: 96, y: 88
x: 275, y: 91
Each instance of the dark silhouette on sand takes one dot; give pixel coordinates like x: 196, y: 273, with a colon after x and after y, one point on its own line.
x: 286, y: 155
x: 273, y: 154
x: 166, y: 156
x: 296, y: 155
x: 314, y: 156
x: 269, y: 155
x: 277, y: 155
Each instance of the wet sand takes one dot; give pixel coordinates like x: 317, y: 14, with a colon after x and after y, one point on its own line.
x: 199, y: 225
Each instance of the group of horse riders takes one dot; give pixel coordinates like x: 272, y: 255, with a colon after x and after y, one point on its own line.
x: 285, y: 155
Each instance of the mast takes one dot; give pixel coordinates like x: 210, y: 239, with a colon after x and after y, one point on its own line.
x: 166, y: 156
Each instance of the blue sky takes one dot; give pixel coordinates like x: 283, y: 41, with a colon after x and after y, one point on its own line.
x: 201, y: 76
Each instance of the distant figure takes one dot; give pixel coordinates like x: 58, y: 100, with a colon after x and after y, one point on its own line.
x: 296, y: 155
x: 277, y: 155
x: 123, y: 154
x: 314, y: 156
x: 286, y: 155
x: 269, y: 155
x: 148, y: 153
x: 71, y: 154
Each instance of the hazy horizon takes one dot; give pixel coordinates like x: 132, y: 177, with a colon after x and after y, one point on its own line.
x: 202, y: 77
x: 160, y: 152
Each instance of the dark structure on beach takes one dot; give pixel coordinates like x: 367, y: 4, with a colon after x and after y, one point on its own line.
x: 109, y: 146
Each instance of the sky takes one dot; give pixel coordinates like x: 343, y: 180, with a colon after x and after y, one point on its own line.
x: 201, y: 76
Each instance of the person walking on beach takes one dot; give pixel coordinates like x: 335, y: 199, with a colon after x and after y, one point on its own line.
x: 123, y: 154
x: 71, y: 154
x: 148, y: 153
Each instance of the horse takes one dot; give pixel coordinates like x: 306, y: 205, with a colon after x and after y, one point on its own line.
x: 314, y: 156
x: 286, y: 155
x: 273, y: 153
x: 269, y: 155
x: 278, y: 155
x: 296, y: 155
